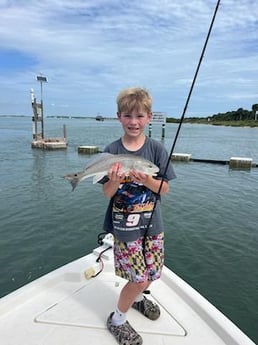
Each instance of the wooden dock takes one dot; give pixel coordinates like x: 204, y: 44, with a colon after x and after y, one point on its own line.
x: 50, y: 144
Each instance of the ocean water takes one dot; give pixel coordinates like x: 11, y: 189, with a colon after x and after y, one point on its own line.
x: 210, y: 213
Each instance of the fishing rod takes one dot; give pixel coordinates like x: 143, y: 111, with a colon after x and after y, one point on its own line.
x: 178, y: 129
x: 190, y: 91
x: 185, y: 108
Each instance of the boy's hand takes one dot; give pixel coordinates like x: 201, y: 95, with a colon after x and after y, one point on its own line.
x: 115, y: 173
x: 138, y: 176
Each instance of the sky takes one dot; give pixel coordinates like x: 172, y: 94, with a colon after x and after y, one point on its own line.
x: 91, y: 49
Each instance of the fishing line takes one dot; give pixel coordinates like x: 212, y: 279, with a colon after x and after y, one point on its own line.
x: 184, y: 111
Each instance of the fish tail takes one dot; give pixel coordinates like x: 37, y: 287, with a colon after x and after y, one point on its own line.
x: 72, y: 180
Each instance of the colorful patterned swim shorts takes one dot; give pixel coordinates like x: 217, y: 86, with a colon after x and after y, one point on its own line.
x: 137, y: 265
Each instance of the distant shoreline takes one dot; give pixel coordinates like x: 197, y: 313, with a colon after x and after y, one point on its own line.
x: 62, y: 117
x: 201, y: 121
x: 207, y: 121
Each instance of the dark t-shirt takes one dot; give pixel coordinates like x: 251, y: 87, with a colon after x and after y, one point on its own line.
x: 130, y: 210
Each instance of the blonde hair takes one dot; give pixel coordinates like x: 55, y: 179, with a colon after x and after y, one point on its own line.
x: 134, y: 98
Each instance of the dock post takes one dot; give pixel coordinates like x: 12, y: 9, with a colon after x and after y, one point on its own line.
x: 158, y: 117
x: 150, y: 129
x: 163, y: 130
x: 42, y: 79
x: 37, y: 133
x: 64, y: 131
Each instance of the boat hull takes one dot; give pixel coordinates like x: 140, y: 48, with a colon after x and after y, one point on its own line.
x: 70, y: 305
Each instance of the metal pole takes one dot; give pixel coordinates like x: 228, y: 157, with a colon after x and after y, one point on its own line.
x: 163, y: 130
x: 42, y: 79
x: 42, y: 121
x: 64, y: 131
x: 150, y: 129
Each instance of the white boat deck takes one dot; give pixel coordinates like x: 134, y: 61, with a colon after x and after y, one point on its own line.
x: 64, y: 307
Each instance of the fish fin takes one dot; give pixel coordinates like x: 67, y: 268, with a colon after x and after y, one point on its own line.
x: 98, y: 177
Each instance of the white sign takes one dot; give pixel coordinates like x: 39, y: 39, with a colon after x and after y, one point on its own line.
x: 158, y: 117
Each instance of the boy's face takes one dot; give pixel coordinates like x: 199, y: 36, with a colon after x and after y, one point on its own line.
x: 135, y: 122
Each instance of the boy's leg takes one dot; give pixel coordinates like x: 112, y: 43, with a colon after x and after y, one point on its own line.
x: 154, y: 259
x: 116, y: 323
x: 131, y: 264
x: 129, y: 293
x: 131, y: 296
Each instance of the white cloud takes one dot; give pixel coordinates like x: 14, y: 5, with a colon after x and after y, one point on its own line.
x: 91, y: 49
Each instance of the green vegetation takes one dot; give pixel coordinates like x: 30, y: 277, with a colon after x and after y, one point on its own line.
x: 236, y: 118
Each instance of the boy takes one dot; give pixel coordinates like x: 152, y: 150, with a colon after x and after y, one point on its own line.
x: 138, y: 235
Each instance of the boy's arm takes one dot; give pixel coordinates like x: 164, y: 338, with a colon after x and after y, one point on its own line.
x: 150, y: 182
x: 154, y: 185
x: 110, y: 188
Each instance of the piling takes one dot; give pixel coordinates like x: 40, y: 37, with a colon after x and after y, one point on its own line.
x: 158, y: 117
x: 163, y: 130
x: 37, y: 118
x: 150, y: 130
x: 64, y: 132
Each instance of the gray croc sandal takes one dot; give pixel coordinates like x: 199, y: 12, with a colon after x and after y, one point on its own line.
x: 147, y: 308
x: 124, y: 334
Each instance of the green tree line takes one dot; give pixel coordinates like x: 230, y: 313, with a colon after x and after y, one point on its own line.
x: 239, y: 117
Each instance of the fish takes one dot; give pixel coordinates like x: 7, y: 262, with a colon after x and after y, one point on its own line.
x: 99, y: 166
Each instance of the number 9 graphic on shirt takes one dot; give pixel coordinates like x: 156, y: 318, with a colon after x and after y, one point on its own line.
x: 133, y: 219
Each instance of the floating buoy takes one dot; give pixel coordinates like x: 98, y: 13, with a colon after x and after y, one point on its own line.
x: 181, y: 157
x: 240, y: 163
x: 88, y: 149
